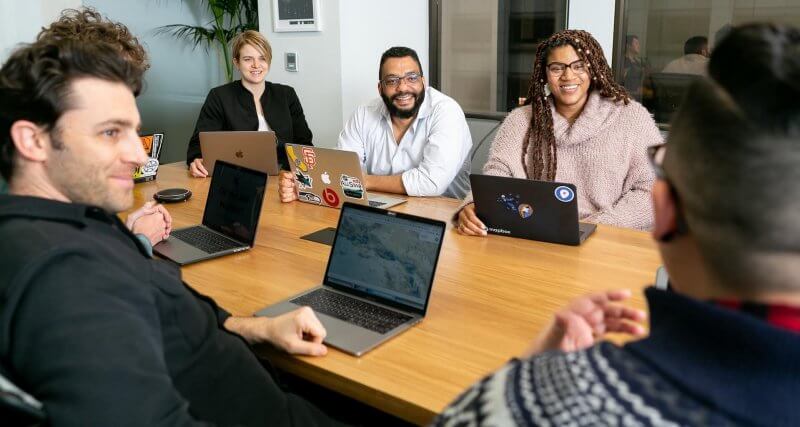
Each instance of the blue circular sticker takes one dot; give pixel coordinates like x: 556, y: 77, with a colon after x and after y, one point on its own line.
x: 564, y: 194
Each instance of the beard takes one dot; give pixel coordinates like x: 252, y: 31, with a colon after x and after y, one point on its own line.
x: 394, y: 111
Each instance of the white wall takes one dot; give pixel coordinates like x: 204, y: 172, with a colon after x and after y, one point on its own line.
x: 338, y: 67
x: 20, y: 21
x: 596, y: 17
x: 368, y: 28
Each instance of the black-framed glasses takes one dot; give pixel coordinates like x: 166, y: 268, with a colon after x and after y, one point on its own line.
x: 656, y: 153
x: 394, y: 81
x: 558, y: 68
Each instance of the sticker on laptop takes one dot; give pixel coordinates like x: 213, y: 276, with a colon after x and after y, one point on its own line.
x: 310, y: 198
x: 303, y: 181
x: 564, y: 194
x: 525, y: 211
x: 331, y: 198
x: 309, y: 157
x: 351, y: 187
x: 509, y: 201
x: 298, y: 163
x: 325, y: 178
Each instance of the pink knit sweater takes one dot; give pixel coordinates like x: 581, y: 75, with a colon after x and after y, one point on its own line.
x: 603, y: 153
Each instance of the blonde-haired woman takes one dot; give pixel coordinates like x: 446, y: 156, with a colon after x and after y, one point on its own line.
x: 251, y: 103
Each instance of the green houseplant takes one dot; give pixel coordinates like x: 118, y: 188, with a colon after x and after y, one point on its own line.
x: 230, y: 17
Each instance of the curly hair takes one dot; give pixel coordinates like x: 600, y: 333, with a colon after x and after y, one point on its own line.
x: 87, y: 25
x: 541, y: 163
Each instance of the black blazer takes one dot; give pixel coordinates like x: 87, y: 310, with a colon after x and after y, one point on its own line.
x: 231, y: 107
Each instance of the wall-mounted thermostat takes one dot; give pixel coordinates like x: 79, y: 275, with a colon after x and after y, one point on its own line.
x: 296, y: 15
x: 291, y: 61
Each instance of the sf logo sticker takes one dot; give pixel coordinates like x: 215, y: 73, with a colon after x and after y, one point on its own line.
x: 331, y: 198
x: 309, y: 157
x: 564, y: 194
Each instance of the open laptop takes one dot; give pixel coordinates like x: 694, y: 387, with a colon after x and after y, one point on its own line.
x: 378, y: 280
x: 536, y: 210
x: 230, y: 219
x: 256, y: 150
x: 330, y: 177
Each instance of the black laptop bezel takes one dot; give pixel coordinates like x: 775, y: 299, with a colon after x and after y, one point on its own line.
x: 259, y: 200
x: 374, y: 298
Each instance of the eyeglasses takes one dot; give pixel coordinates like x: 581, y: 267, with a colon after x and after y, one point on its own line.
x: 656, y: 153
x: 558, y: 68
x: 394, y: 81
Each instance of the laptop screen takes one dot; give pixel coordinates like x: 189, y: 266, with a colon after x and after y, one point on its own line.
x: 385, y: 256
x: 234, y: 201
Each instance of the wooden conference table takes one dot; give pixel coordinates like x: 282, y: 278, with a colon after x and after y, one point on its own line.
x: 490, y: 297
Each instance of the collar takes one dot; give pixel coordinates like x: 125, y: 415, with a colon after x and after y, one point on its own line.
x: 12, y: 206
x: 424, y: 110
x: 597, y: 115
x: 730, y: 360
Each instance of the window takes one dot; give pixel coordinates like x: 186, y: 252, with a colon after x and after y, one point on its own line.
x: 662, y: 45
x: 482, y: 51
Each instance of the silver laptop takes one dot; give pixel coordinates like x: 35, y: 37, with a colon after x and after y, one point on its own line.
x: 252, y: 149
x: 379, y: 277
x: 230, y: 219
x: 330, y: 177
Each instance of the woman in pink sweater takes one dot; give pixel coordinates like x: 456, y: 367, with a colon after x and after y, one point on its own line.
x: 577, y: 126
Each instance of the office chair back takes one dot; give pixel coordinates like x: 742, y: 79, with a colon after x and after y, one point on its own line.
x: 669, y: 89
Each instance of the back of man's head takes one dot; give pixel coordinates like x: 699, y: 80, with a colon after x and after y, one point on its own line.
x: 733, y: 156
x: 88, y: 25
x: 696, y: 44
x: 398, y: 52
x: 35, y: 84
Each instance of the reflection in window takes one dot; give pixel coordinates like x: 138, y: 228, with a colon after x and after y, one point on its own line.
x: 488, y: 47
x: 665, y: 44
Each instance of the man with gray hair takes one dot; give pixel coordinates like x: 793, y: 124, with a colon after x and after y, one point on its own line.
x: 724, y: 342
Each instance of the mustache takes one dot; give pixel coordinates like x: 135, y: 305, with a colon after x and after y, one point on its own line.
x: 397, y: 95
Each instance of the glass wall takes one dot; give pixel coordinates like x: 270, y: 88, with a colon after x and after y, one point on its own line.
x: 665, y: 44
x: 487, y: 49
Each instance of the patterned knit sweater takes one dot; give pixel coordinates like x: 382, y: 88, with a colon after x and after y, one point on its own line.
x: 702, y: 365
x: 604, y: 153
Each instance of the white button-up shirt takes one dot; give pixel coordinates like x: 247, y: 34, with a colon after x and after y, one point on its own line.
x: 433, y: 156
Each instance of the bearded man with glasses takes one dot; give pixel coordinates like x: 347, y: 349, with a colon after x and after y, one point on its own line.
x: 414, y: 140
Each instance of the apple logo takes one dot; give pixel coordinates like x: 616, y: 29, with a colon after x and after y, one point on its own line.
x: 326, y: 179
x: 239, y: 154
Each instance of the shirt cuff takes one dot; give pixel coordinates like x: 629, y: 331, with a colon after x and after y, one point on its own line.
x: 146, y: 245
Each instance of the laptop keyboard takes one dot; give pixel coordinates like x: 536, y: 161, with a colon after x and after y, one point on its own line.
x: 205, y: 240
x: 352, y: 310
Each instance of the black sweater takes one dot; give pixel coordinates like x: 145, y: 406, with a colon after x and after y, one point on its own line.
x: 104, y: 335
x: 231, y: 107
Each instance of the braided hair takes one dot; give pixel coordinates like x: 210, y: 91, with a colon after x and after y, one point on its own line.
x: 540, y: 140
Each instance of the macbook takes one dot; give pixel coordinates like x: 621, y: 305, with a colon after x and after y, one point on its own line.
x: 378, y: 280
x: 230, y: 219
x: 536, y: 210
x: 252, y: 149
x: 330, y: 177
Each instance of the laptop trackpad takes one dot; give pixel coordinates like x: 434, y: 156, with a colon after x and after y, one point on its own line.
x: 178, y: 250
x: 324, y: 236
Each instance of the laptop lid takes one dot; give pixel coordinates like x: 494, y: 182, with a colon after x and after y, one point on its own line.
x: 537, y: 210
x: 326, y: 176
x: 386, y: 257
x: 256, y: 150
x: 234, y: 201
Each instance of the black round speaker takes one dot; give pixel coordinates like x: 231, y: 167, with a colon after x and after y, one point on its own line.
x: 172, y: 195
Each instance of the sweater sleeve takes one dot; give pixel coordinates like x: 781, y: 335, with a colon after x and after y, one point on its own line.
x: 211, y: 118
x: 505, y: 154
x: 634, y: 209
x: 89, y: 348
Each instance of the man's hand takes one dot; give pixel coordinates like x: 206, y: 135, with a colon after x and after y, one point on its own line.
x: 197, y: 169
x: 151, y: 220
x: 287, y: 187
x: 586, y: 320
x: 296, y: 332
x: 468, y: 222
